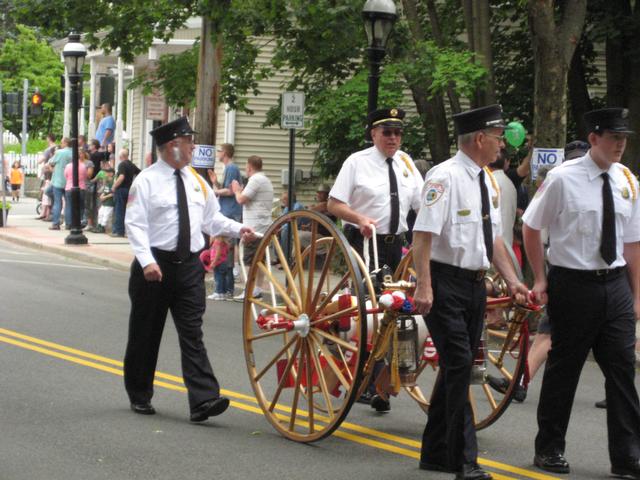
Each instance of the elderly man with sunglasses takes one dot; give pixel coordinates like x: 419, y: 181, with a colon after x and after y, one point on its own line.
x: 378, y: 186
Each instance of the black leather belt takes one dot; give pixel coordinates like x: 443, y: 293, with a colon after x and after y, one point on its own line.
x: 168, y: 256
x: 602, y: 274
x: 389, y: 239
x: 453, y: 271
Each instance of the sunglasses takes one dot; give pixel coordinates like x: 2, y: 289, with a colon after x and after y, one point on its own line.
x: 388, y: 132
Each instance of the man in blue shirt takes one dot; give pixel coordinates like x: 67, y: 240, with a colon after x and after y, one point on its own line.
x: 106, y: 127
x: 60, y: 160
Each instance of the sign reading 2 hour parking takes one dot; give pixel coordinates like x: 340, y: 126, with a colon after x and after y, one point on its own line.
x: 292, y: 110
x: 204, y: 156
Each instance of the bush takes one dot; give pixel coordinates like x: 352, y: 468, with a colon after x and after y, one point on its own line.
x: 33, y: 146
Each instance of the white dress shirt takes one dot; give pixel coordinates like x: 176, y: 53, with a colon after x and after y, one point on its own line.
x: 452, y: 211
x: 363, y: 184
x: 569, y: 204
x: 508, y: 204
x: 151, y: 218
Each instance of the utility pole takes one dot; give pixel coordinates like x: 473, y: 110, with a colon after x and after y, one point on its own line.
x: 4, y: 200
x: 25, y: 103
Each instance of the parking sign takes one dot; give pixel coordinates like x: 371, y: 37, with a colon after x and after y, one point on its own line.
x: 292, y: 110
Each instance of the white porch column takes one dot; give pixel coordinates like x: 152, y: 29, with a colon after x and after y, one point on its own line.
x: 66, y: 122
x: 119, y: 103
x: 229, y: 126
x: 92, y: 100
x: 129, y: 122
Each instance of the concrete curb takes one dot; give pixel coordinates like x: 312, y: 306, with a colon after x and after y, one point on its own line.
x: 75, y: 252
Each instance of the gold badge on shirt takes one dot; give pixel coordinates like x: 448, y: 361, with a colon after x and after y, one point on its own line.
x: 625, y: 193
x: 196, y: 188
x: 405, y: 173
x: 494, y: 200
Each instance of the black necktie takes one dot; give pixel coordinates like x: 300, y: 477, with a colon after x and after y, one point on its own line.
x: 608, y: 243
x: 395, y: 199
x: 486, y: 217
x: 183, y: 249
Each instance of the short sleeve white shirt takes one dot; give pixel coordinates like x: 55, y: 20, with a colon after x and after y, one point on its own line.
x: 363, y: 184
x: 256, y: 212
x: 569, y: 204
x: 151, y: 218
x: 452, y: 212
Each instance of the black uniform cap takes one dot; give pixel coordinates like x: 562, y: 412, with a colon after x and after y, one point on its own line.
x: 575, y: 149
x: 612, y: 119
x: 386, y: 117
x: 174, y: 129
x: 479, y: 119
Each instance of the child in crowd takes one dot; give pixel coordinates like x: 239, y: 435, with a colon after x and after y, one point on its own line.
x: 106, y: 201
x: 221, y: 259
x: 46, y: 195
x: 17, y: 177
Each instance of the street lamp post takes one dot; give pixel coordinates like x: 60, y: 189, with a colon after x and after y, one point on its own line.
x: 379, y: 17
x: 74, y: 53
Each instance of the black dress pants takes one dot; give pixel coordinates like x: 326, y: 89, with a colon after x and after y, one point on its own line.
x: 455, y: 325
x: 589, y: 312
x: 181, y: 291
x: 389, y: 253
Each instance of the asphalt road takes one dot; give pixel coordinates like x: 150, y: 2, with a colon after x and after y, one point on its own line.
x: 64, y: 413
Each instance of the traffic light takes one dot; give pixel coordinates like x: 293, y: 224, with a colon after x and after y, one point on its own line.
x: 36, y: 103
x: 13, y: 103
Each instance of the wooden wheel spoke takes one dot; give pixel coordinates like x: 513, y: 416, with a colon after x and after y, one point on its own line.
x: 336, y: 340
x: 310, y: 389
x: 262, y: 336
x: 343, y: 359
x: 489, y: 394
x: 311, y: 258
x: 284, y: 262
x: 323, y: 382
x: 274, y: 359
x: 329, y: 358
x: 502, y: 369
x: 284, y: 378
x: 474, y: 408
x: 271, y: 308
x: 296, y: 393
x: 285, y: 296
x: 333, y: 316
x: 327, y: 300
x: 298, y: 254
x: 324, y: 271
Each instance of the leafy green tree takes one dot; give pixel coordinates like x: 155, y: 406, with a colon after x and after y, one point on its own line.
x: 28, y: 56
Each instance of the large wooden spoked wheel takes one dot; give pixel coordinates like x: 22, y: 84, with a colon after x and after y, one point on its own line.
x: 505, y: 352
x: 305, y: 339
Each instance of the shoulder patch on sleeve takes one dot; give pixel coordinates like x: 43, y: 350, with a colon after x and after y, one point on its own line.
x: 132, y: 193
x: 433, y: 193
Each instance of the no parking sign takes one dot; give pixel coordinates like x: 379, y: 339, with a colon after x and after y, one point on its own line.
x: 545, y: 157
x: 204, y: 156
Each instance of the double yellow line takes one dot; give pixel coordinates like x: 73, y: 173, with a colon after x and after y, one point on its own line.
x: 348, y: 431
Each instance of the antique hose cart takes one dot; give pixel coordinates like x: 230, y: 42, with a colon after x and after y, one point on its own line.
x: 312, y: 339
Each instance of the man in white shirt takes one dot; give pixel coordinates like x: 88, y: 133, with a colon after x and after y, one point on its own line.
x: 169, y: 207
x: 508, y: 197
x: 456, y: 237
x: 256, y: 200
x: 592, y: 290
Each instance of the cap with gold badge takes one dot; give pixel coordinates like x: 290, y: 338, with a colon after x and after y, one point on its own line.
x: 174, y: 129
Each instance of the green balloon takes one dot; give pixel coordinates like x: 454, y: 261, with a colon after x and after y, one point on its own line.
x: 515, y: 134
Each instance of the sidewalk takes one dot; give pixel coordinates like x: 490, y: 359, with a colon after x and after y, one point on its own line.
x: 24, y: 229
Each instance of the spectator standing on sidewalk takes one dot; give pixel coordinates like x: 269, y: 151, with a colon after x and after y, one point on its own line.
x: 124, y: 178
x: 17, y: 178
x: 229, y: 206
x: 82, y: 184
x: 106, y: 127
x: 106, y: 202
x: 59, y: 161
x: 256, y: 200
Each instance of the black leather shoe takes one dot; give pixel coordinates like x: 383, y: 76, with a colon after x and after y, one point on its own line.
x: 601, y: 404
x: 365, y: 398
x: 502, y: 384
x: 630, y: 469
x: 380, y: 404
x: 554, y: 462
x: 435, y: 467
x: 143, y: 408
x: 209, y: 409
x: 472, y: 471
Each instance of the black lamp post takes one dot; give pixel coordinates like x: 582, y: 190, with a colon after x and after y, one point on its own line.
x: 74, y: 53
x: 379, y: 17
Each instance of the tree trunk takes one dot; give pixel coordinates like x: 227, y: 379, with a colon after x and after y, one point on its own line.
x: 208, y: 90
x: 553, y: 48
x: 632, y: 44
x: 477, y: 18
x: 579, y: 93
